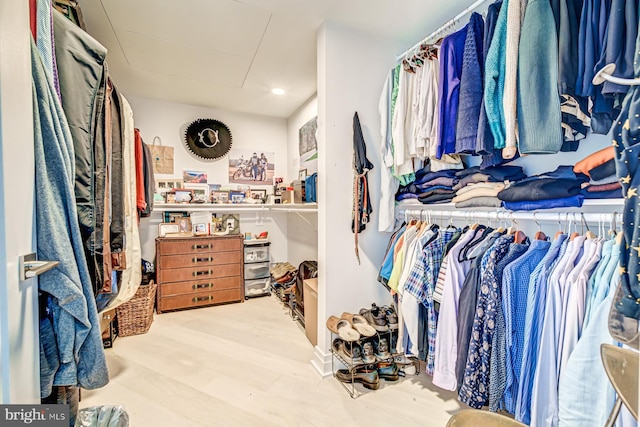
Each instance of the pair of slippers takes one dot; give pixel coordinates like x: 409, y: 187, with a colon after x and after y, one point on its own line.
x: 349, y: 326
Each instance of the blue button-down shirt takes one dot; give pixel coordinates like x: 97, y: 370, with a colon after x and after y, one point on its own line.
x: 515, y: 290
x: 533, y: 325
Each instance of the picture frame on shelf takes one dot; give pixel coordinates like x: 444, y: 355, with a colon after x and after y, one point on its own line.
x: 236, y: 197
x: 200, y: 192
x: 173, y: 217
x: 302, y: 174
x: 182, y: 195
x: 219, y: 197
x: 167, y: 228
x: 259, y: 195
x: 165, y: 185
x: 170, y: 197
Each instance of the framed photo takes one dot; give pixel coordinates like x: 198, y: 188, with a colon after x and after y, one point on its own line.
x: 164, y: 229
x: 184, y: 224
x: 201, y: 229
x: 191, y: 176
x: 302, y: 174
x: 183, y: 195
x: 259, y: 195
x: 236, y: 196
x: 173, y: 217
x: 165, y: 185
x: 170, y: 197
x: 219, y: 197
x: 200, y: 192
x: 231, y: 223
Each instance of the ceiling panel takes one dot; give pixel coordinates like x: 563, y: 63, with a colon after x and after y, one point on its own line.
x: 189, y: 62
x: 221, y: 25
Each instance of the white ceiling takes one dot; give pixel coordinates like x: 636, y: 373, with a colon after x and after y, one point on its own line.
x: 229, y: 54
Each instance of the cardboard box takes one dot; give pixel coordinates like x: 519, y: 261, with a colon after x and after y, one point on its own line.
x: 311, y: 309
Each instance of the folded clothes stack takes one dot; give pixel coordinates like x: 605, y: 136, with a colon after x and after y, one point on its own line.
x: 479, y: 187
x: 430, y: 187
x: 558, y: 189
x: 601, y: 169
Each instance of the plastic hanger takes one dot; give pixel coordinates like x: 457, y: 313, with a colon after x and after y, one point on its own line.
x: 539, y: 234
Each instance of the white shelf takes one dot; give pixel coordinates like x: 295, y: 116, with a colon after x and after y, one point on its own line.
x: 240, y: 207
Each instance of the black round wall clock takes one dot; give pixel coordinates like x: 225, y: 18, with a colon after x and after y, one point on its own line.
x: 208, y: 139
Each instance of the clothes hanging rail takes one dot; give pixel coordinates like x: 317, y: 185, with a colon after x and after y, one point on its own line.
x: 509, y: 215
x: 443, y: 27
x: 606, y: 74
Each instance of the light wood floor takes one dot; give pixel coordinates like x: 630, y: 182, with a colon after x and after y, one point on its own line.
x: 249, y: 365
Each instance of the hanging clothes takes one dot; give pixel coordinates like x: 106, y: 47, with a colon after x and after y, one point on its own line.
x: 626, y: 134
x: 75, y: 318
x: 388, y: 183
x: 361, y: 166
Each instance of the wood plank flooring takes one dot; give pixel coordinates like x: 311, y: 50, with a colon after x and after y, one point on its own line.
x: 249, y: 365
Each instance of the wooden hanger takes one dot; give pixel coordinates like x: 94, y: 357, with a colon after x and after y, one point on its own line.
x: 539, y: 234
x: 519, y: 237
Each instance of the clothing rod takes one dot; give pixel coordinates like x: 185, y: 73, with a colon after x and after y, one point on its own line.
x: 442, y: 27
x: 509, y: 215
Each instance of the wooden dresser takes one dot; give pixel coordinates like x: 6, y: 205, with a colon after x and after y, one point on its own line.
x: 198, y: 271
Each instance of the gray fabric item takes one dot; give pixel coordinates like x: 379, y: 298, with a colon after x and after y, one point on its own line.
x: 476, y: 202
x: 103, y: 416
x: 75, y: 318
x: 470, y: 179
x: 117, y: 173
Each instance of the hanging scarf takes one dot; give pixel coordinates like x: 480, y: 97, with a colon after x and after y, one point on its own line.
x: 361, y: 166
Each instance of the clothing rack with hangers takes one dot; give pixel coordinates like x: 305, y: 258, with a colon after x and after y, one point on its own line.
x: 509, y: 215
x: 444, y: 27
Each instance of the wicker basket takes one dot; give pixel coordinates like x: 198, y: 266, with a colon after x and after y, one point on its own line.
x: 136, y: 315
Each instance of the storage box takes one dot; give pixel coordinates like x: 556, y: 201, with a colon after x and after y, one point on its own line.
x: 256, y: 271
x: 256, y: 252
x: 311, y: 309
x: 257, y: 287
x: 299, y: 191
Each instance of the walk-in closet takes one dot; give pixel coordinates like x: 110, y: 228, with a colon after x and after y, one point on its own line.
x: 300, y: 213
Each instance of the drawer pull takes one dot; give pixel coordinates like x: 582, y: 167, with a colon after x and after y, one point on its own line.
x: 202, y: 273
x: 208, y: 246
x: 206, y: 259
x: 201, y: 299
x: 202, y: 285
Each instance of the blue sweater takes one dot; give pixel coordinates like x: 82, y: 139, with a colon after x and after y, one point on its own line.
x: 495, y: 67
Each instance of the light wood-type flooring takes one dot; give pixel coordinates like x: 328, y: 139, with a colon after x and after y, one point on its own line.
x: 249, y: 364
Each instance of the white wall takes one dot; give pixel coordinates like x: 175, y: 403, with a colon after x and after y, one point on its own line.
x: 19, y: 357
x: 169, y: 120
x: 302, y: 229
x: 352, y: 67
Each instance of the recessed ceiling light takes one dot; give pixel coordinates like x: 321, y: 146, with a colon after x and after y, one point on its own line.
x: 277, y: 91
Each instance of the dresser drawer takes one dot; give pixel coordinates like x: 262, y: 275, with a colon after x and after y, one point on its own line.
x: 199, y: 299
x: 201, y: 285
x: 199, y: 246
x: 256, y: 271
x: 199, y: 273
x: 198, y: 260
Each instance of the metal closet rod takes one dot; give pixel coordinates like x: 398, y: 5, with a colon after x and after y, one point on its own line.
x: 443, y: 27
x: 509, y: 215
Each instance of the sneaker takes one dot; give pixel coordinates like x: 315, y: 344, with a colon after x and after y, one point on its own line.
x: 388, y: 371
x: 365, y: 375
x: 392, y: 317
x: 382, y: 349
x: 376, y: 319
x: 368, y: 355
x: 350, y: 352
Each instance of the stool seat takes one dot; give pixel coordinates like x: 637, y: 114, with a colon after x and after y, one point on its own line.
x: 476, y: 418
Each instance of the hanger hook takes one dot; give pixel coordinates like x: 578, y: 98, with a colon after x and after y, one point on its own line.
x: 536, y: 220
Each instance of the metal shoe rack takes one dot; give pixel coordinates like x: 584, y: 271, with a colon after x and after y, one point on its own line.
x: 399, y: 358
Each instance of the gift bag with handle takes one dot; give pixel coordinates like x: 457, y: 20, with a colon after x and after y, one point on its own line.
x: 162, y: 157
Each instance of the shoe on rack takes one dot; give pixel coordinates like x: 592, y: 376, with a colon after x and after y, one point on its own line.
x: 392, y: 317
x: 342, y: 328
x: 388, y: 371
x: 378, y: 319
x: 382, y: 349
x: 350, y: 352
x: 365, y: 375
x: 359, y: 323
x: 368, y: 354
